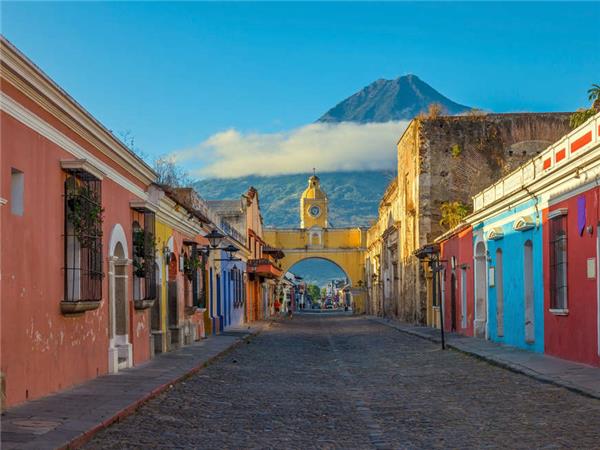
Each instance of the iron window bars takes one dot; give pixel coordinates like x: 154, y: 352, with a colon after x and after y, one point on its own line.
x: 82, y: 237
x: 558, y: 262
x: 144, y: 254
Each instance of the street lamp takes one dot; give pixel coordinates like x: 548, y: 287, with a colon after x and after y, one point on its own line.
x: 214, y: 238
x: 432, y: 253
x: 231, y: 250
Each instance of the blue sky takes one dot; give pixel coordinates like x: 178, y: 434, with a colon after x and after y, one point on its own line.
x: 175, y: 74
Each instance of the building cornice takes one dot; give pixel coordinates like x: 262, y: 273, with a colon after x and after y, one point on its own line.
x: 29, y: 79
x: 25, y: 116
x: 561, y: 181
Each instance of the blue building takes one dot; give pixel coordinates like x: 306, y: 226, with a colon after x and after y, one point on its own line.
x: 514, y: 255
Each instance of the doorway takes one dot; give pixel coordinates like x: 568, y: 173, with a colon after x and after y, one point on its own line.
x: 528, y: 286
x: 155, y: 313
x: 120, y: 351
x: 480, y: 325
x: 499, y: 294
x: 453, y: 301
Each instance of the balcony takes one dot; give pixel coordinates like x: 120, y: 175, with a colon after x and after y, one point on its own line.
x: 263, y: 267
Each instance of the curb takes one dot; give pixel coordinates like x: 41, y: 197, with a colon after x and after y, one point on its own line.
x: 127, y: 411
x: 495, y: 362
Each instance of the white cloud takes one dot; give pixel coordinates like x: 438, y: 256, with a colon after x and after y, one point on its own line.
x: 328, y: 147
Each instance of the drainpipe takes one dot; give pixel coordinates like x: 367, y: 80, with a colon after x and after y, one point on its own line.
x: 537, y: 211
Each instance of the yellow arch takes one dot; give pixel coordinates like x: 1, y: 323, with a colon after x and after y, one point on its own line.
x: 344, y: 247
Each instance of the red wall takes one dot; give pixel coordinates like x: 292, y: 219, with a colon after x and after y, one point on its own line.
x: 460, y: 246
x: 574, y: 336
x: 36, y: 337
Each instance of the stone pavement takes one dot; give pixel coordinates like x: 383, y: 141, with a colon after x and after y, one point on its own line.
x: 70, y: 417
x: 580, y: 378
x: 335, y: 381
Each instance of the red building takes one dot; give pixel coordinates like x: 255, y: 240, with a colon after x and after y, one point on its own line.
x: 67, y: 242
x: 456, y: 279
x: 571, y: 300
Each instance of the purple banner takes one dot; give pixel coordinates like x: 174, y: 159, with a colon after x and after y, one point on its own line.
x: 581, y: 214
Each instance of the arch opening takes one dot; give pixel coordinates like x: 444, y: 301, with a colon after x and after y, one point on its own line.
x: 324, y: 284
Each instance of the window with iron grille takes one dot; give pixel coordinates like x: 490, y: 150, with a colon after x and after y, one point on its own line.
x: 558, y: 262
x: 83, y: 237
x: 144, y: 255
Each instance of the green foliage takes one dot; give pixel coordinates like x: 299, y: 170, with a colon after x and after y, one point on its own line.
x: 455, y: 150
x: 144, y: 248
x: 453, y: 213
x: 190, y: 266
x: 84, y: 212
x: 580, y: 116
x: 314, y: 291
x: 594, y: 96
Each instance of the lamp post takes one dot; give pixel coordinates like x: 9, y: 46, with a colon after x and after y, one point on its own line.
x: 431, y: 253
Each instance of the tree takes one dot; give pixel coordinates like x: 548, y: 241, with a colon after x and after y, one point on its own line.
x: 581, y: 115
x: 313, y: 291
x: 594, y: 97
x: 170, y: 174
x: 128, y: 139
x: 453, y: 213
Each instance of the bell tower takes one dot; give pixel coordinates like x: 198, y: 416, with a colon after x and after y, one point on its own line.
x: 314, y: 205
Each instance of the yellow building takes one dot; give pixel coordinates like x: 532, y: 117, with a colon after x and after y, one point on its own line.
x: 344, y: 247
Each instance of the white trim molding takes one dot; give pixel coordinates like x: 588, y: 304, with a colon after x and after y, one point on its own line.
x: 118, y: 235
x: 22, y: 114
x: 557, y: 213
x: 524, y: 223
x: 81, y: 164
x: 495, y: 234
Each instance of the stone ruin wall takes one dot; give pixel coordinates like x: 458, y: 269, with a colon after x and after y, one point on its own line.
x: 489, y: 147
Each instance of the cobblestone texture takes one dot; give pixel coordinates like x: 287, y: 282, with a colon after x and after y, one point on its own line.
x: 347, y: 382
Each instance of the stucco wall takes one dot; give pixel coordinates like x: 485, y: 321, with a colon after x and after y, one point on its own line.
x: 574, y: 336
x: 67, y: 349
x: 513, y: 284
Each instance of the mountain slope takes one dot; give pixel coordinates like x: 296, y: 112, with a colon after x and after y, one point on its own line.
x: 385, y: 100
x: 353, y: 196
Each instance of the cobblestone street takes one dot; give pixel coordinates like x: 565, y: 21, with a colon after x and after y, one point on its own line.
x: 335, y: 381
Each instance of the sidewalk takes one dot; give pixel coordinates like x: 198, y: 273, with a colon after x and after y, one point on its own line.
x: 71, y: 417
x: 576, y: 377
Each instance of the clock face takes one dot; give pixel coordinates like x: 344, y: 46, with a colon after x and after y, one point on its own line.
x: 314, y: 211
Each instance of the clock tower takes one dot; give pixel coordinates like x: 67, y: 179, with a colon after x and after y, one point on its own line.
x: 313, y: 205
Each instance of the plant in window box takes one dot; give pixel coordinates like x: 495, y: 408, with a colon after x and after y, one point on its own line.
x: 190, y: 267
x: 144, y: 248
x: 84, y: 212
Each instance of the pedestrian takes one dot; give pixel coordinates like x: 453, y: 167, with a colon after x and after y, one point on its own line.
x: 277, y: 306
x: 289, y: 312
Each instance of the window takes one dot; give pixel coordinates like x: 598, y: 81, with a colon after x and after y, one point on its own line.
x: 144, y: 255
x: 17, y: 190
x: 83, y: 237
x: 558, y: 262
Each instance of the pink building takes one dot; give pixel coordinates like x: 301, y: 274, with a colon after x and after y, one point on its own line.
x: 72, y: 195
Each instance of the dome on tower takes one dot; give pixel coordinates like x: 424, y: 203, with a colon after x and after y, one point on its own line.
x: 313, y: 191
